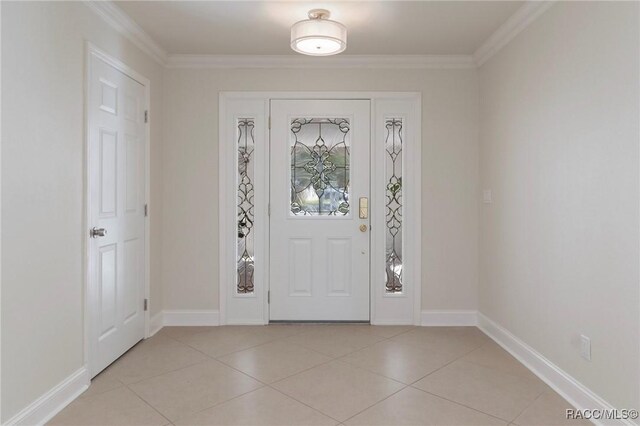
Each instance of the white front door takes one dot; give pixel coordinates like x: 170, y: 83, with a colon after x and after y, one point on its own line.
x: 116, y: 164
x: 319, y: 221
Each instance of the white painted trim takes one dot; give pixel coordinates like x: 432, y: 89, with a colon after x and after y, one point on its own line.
x: 339, y: 61
x: 92, y: 50
x: 559, y: 380
x: 1, y: 218
x: 236, y: 308
x: 404, y: 307
x: 266, y: 95
x: 52, y: 402
x: 126, y: 26
x: 223, y: 182
x: 513, y: 26
x: 156, y: 323
x: 191, y: 317
x: 233, y: 103
x: 449, y: 318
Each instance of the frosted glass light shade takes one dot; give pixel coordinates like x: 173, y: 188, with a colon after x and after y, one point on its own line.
x: 318, y: 37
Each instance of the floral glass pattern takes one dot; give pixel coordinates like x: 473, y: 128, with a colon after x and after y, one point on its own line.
x: 393, y: 178
x: 320, y: 166
x: 245, y: 207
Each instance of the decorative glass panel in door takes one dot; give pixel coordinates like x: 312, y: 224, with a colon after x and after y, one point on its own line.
x: 320, y: 166
x: 245, y: 248
x: 393, y: 177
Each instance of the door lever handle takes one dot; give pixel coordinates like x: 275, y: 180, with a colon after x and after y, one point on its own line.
x: 97, y: 232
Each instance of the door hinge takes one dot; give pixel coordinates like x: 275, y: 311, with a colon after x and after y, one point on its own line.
x: 146, y: 210
x: 146, y: 116
x: 146, y: 304
x: 269, y: 209
x: 268, y: 296
x: 269, y: 122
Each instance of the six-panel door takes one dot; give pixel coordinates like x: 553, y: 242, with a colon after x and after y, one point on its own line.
x: 116, y: 198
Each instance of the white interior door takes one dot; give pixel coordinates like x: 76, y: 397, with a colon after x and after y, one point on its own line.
x: 319, y: 238
x: 116, y: 172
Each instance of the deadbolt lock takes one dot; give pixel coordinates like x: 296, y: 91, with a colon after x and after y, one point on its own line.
x: 363, y: 210
x: 363, y: 228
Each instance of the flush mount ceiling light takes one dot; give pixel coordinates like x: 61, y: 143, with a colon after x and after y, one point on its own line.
x: 318, y: 35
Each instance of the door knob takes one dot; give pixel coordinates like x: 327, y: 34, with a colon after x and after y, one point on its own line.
x: 97, y: 232
x: 363, y: 228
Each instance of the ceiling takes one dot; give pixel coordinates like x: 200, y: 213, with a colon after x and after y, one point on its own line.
x: 375, y: 27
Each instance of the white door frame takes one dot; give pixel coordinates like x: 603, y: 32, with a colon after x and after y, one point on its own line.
x: 385, y: 308
x: 92, y: 51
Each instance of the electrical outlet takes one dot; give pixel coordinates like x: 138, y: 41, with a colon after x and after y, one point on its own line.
x: 487, y: 197
x: 585, y: 347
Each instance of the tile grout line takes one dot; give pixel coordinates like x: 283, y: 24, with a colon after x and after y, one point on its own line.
x: 264, y: 384
x: 411, y: 385
x: 331, y: 359
x: 383, y: 339
x: 376, y: 403
x: 284, y: 378
x: 201, y: 362
x: 149, y: 405
x: 222, y: 402
x: 338, y: 358
x: 303, y: 403
x: 447, y: 364
x: 460, y: 404
x: 166, y: 372
x: 404, y: 386
x: 529, y: 405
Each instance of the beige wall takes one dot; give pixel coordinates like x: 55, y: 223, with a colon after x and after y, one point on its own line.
x: 559, y: 148
x: 449, y: 177
x: 43, y: 56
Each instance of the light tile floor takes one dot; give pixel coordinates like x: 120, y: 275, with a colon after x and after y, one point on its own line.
x: 316, y: 375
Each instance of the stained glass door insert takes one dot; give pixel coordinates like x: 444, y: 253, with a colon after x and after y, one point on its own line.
x: 320, y: 161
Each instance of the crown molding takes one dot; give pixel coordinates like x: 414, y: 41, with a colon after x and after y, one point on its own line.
x: 513, y: 26
x: 339, y: 61
x: 126, y: 26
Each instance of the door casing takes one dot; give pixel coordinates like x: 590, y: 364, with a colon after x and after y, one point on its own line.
x: 385, y: 309
x: 92, y: 51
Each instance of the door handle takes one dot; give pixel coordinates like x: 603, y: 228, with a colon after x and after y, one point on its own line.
x: 97, y: 232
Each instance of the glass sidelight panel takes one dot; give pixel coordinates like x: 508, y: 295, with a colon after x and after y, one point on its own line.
x: 245, y: 247
x: 393, y: 178
x: 320, y: 166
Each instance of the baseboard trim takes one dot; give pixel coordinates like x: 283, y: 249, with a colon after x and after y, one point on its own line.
x: 392, y: 322
x: 51, y: 403
x: 191, y: 318
x: 560, y: 381
x: 245, y: 322
x: 448, y: 318
x: 156, y: 323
